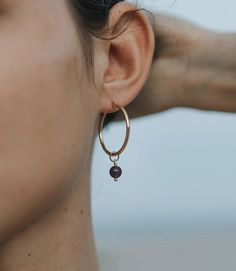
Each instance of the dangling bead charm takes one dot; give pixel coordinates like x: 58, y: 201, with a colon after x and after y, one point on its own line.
x: 115, y: 171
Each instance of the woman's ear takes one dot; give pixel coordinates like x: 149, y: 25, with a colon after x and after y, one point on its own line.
x: 129, y: 58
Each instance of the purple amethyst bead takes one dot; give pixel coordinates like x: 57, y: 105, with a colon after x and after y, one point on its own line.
x: 115, y: 172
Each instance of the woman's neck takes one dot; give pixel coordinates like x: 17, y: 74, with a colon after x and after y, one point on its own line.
x: 60, y: 240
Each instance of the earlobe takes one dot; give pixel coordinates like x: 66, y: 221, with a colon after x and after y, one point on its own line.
x: 129, y: 58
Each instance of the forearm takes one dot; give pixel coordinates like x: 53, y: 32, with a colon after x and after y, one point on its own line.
x: 192, y: 67
x: 210, y: 82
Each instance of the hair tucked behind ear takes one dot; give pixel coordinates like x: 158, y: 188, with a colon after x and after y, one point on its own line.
x: 92, y: 20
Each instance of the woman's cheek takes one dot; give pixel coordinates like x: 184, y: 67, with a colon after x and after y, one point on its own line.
x: 43, y: 146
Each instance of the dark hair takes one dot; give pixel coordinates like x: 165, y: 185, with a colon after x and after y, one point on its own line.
x: 92, y: 18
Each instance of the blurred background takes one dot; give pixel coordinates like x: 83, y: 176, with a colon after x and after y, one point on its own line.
x: 174, y: 207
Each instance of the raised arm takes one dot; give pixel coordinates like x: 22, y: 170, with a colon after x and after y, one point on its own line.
x: 192, y: 67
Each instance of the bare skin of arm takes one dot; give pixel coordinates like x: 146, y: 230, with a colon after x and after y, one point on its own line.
x: 192, y: 67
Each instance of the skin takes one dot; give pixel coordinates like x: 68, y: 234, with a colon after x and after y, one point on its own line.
x: 49, y: 118
x: 192, y: 67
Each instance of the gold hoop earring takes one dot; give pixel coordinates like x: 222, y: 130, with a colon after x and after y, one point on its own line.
x: 115, y: 171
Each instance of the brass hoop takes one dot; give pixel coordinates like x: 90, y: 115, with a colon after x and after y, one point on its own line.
x: 127, y: 124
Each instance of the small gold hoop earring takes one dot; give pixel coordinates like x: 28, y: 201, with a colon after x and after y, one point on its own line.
x: 115, y: 171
